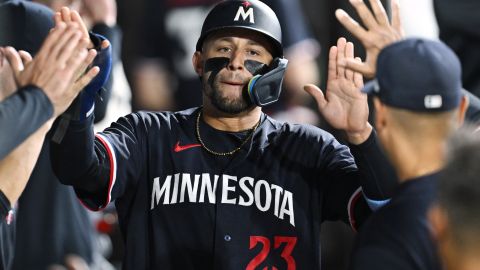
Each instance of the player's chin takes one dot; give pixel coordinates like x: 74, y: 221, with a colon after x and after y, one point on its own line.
x: 231, y: 105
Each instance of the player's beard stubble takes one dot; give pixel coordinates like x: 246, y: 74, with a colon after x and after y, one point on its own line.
x: 215, y: 90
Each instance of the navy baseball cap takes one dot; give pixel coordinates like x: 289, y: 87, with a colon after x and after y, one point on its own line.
x: 24, y: 25
x: 419, y: 75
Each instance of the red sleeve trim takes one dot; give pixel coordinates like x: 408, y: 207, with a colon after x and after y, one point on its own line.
x: 351, y: 206
x: 113, y: 172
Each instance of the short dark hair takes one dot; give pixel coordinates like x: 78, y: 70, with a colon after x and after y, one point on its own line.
x: 459, y: 186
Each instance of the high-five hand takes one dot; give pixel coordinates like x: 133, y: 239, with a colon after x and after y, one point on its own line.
x: 65, y: 15
x: 53, y: 69
x: 377, y: 34
x: 344, y: 106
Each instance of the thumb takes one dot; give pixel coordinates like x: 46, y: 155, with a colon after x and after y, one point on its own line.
x: 317, y: 94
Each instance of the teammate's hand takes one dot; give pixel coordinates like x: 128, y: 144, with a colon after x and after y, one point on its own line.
x: 53, y: 68
x: 7, y: 79
x: 66, y: 15
x: 344, y: 106
x: 377, y: 34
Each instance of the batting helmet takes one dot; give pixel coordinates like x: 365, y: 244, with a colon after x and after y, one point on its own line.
x: 246, y: 14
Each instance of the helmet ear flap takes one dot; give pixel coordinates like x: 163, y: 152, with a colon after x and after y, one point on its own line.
x: 253, y: 15
x: 266, y: 89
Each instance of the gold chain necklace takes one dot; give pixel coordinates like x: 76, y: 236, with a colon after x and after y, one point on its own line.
x: 252, y: 130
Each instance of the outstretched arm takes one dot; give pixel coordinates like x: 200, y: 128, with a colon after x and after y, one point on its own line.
x: 65, y: 56
x: 345, y: 107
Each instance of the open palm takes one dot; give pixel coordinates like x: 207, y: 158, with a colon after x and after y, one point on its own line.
x: 344, y: 107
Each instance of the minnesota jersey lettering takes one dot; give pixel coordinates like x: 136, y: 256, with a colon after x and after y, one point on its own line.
x: 184, y: 187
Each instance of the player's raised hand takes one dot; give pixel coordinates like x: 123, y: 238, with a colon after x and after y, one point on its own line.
x: 66, y: 15
x: 377, y: 32
x: 53, y: 68
x: 344, y: 106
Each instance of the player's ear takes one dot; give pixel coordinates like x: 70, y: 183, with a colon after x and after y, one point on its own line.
x: 438, y: 223
x: 379, y: 114
x: 197, y: 61
x: 462, y: 109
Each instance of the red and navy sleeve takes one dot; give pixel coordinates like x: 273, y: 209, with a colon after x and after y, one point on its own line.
x: 356, y: 184
x: 100, y: 167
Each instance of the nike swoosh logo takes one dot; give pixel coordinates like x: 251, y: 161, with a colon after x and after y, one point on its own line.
x: 180, y: 148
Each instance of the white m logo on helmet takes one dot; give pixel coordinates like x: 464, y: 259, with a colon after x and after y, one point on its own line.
x: 245, y: 14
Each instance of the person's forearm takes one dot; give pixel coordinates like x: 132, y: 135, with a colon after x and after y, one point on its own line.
x: 378, y: 178
x: 21, y: 114
x: 75, y: 161
x: 17, y: 166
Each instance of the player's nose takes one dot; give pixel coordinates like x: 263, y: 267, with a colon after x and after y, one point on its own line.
x: 236, y: 61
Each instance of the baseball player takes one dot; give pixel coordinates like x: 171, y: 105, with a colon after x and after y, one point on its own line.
x: 224, y: 186
x: 454, y: 219
x: 419, y: 103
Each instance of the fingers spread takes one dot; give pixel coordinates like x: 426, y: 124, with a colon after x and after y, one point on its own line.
x: 380, y: 13
x: 364, y: 13
x: 350, y: 24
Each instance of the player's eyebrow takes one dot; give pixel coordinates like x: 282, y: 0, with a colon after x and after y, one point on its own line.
x: 230, y: 39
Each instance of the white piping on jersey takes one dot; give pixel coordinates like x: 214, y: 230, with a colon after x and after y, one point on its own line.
x: 113, y: 166
x: 194, y: 188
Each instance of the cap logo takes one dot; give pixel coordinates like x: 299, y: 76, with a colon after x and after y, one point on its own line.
x: 433, y: 101
x: 245, y: 14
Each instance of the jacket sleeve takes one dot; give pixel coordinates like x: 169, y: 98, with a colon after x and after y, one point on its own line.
x: 100, y: 167
x: 21, y: 114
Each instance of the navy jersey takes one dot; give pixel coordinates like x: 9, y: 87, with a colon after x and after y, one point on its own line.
x: 398, y: 236
x: 7, y: 232
x: 181, y: 207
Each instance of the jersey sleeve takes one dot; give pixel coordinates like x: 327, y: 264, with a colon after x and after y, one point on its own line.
x: 21, y: 114
x: 355, y: 182
x: 100, y: 167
